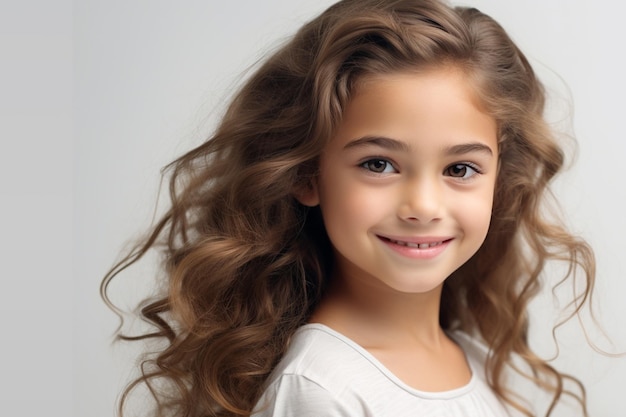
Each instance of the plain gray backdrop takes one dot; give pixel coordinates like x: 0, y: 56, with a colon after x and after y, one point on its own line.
x: 150, y: 79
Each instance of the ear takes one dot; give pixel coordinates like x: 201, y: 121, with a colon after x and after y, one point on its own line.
x: 308, y: 194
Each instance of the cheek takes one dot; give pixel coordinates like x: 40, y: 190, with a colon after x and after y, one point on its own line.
x: 347, y: 203
x: 476, y: 214
x: 473, y: 213
x: 350, y: 210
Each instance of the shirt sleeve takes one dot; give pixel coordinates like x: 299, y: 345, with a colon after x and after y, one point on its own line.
x: 298, y: 396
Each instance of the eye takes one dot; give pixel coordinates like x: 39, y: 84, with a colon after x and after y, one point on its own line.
x: 378, y: 166
x: 462, y: 171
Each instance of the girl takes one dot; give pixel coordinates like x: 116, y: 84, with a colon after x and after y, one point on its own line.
x: 363, y: 233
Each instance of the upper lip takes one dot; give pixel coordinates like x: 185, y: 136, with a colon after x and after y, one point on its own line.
x: 417, y: 239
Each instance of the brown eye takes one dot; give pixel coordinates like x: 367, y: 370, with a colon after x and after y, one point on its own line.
x: 379, y: 166
x: 457, y: 170
x: 463, y: 171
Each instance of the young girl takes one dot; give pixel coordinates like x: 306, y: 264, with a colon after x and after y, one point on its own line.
x: 363, y: 233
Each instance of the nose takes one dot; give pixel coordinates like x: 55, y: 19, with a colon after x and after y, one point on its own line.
x: 421, y: 201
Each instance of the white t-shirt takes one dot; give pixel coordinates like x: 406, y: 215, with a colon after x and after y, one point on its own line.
x: 325, y: 374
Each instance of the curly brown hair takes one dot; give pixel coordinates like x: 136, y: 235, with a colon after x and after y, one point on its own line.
x: 246, y: 264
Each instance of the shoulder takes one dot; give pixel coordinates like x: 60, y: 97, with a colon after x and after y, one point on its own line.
x: 528, y: 393
x: 291, y: 395
x: 313, y: 377
x: 324, y: 357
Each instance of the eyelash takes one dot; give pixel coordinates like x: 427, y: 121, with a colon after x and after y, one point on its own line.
x: 366, y: 165
x: 462, y: 165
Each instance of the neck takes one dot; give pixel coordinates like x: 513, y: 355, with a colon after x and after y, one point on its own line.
x: 378, y: 318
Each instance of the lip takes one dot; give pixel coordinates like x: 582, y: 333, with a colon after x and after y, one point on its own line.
x: 417, y: 247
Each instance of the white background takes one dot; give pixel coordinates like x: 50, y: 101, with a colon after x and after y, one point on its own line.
x: 149, y: 81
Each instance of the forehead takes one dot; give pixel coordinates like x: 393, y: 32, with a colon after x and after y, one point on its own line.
x: 457, y: 77
x: 438, y: 105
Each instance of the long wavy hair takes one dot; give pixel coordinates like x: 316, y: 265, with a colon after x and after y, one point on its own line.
x: 245, y: 264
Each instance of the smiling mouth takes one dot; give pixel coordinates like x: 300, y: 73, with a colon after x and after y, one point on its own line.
x: 416, y: 245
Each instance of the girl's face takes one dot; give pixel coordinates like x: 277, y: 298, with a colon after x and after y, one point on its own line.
x: 406, y: 186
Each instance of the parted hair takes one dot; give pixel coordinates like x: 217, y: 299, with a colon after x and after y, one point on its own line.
x: 245, y: 263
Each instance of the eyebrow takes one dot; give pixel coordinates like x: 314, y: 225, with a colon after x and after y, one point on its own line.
x: 380, y: 141
x: 468, y: 148
x: 397, y: 145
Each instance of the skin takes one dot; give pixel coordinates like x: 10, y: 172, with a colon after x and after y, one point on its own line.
x: 413, y: 163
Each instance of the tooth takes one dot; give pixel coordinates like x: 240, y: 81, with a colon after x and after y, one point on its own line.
x: 416, y: 245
